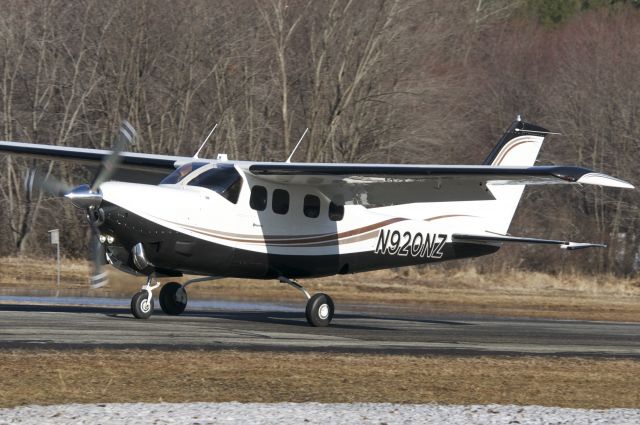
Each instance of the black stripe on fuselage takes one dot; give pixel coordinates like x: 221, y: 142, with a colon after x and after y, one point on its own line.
x: 171, y: 252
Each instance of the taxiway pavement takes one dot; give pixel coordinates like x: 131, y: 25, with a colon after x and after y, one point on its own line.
x: 102, y: 323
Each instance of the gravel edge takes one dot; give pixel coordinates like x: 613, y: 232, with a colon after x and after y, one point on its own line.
x: 310, y: 413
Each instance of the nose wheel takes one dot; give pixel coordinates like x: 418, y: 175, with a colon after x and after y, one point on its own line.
x: 142, y: 302
x: 141, y: 305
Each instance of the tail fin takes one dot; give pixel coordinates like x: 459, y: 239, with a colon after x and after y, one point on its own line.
x: 519, y: 146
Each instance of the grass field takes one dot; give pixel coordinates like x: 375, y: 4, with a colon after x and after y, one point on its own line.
x: 101, y: 376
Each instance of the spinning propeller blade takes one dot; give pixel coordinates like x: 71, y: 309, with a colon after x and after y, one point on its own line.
x: 47, y: 184
x: 126, y: 137
x: 99, y: 277
x: 88, y: 197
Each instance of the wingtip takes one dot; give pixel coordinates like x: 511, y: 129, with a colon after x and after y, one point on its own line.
x: 572, y: 246
x: 604, y: 180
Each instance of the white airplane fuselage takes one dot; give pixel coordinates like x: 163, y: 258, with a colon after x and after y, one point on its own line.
x: 192, y: 229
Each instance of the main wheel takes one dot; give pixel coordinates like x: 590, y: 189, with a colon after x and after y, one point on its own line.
x: 320, y: 310
x: 141, y: 307
x: 173, y: 298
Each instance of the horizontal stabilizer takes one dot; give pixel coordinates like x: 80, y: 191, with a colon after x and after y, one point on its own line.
x: 600, y: 179
x: 505, y: 238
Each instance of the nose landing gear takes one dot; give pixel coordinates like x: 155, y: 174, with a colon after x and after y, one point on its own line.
x: 142, y: 302
x: 173, y: 297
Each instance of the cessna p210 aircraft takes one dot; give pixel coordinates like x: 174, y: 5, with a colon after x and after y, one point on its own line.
x: 282, y: 220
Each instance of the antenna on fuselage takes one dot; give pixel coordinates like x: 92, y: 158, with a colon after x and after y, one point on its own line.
x: 297, y: 144
x: 205, y: 141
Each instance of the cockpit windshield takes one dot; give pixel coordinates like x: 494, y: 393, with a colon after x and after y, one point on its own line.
x: 182, y: 172
x: 225, y: 181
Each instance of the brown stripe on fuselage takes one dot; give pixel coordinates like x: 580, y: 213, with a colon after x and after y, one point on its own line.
x: 440, y: 217
x: 343, y: 241
x: 292, y: 240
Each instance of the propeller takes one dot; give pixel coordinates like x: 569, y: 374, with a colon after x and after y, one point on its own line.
x: 88, y: 197
x: 126, y: 137
x: 98, y: 276
x: 46, y: 183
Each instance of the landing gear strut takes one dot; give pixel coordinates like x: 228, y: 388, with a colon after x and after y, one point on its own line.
x: 320, y: 307
x: 142, y: 302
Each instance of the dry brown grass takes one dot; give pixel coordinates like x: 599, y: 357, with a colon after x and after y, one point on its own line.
x: 52, y: 377
x: 511, y: 293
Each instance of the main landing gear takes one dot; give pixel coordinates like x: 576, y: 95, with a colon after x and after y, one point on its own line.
x: 173, y: 300
x: 320, y: 307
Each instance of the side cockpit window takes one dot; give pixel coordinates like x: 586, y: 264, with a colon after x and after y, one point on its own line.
x: 178, y: 175
x: 224, y: 181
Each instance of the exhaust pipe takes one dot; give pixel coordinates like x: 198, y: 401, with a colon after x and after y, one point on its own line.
x: 139, y: 257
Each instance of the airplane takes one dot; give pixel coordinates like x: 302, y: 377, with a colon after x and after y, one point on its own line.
x: 163, y: 216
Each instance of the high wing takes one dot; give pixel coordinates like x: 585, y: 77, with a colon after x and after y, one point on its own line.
x: 135, y: 167
x: 384, y: 184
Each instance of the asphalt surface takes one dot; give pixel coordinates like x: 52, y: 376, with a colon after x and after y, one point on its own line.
x: 102, y: 323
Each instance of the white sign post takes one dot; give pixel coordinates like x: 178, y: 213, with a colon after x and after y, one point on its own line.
x: 54, y: 236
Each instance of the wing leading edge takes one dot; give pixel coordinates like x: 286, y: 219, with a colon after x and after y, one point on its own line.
x: 432, y: 183
x: 135, y: 167
x: 486, y: 173
x: 384, y: 184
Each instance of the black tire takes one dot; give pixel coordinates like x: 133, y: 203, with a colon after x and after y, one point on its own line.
x: 139, y: 306
x: 320, y: 310
x: 173, y: 298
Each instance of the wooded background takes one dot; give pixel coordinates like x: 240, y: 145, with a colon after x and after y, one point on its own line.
x: 399, y: 81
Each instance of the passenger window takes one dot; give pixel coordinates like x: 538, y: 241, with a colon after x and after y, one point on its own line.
x: 311, y: 206
x: 258, y: 199
x: 336, y: 212
x: 280, y: 201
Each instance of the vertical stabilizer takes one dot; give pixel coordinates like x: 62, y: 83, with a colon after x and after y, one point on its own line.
x: 519, y: 146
